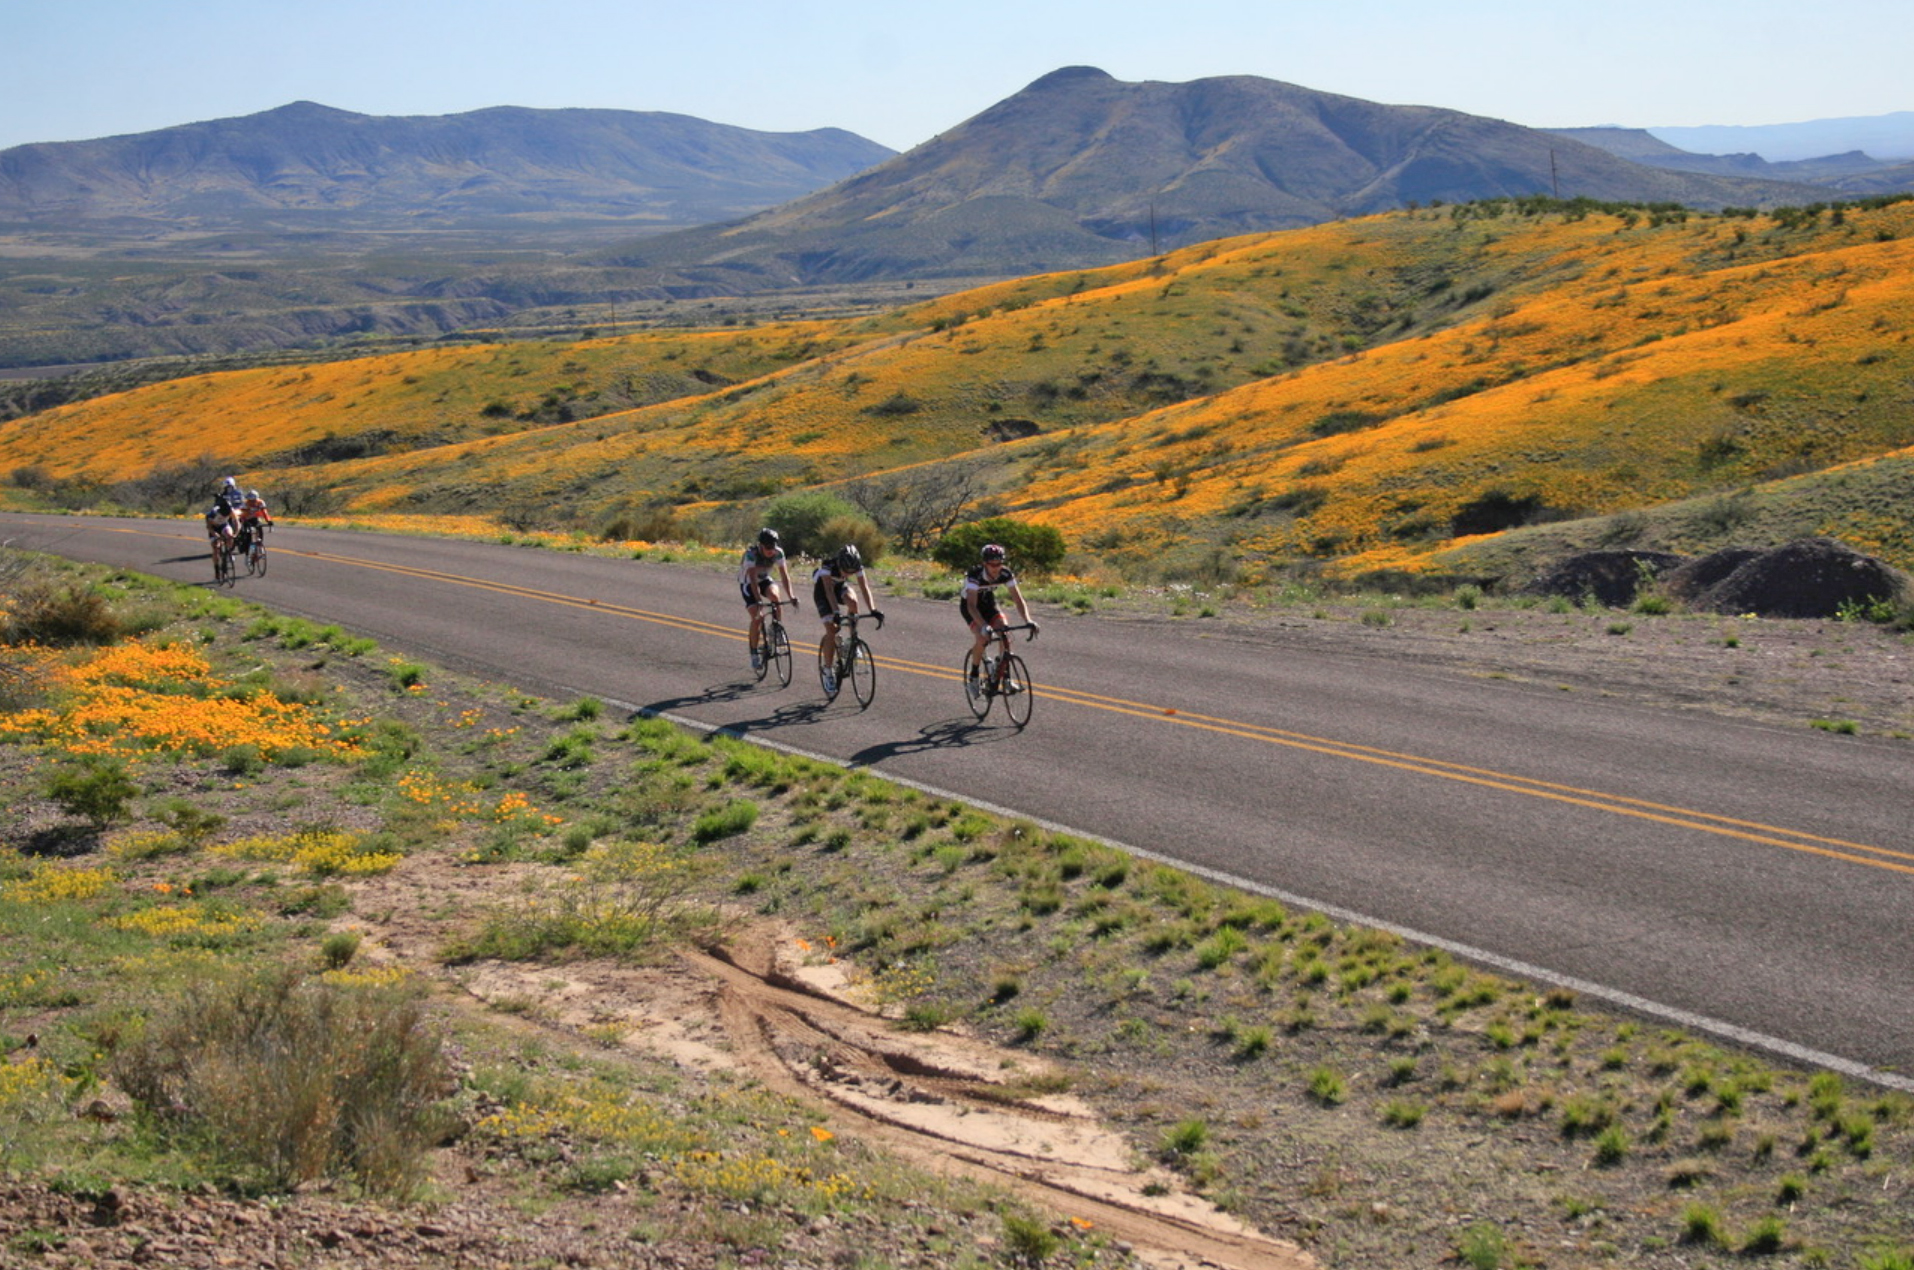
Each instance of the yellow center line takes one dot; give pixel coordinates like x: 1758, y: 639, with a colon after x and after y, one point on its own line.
x: 1615, y: 804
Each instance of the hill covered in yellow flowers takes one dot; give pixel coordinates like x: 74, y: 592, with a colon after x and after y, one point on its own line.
x: 1417, y: 391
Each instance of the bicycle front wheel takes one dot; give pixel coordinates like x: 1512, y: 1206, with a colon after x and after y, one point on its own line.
x: 863, y: 674
x: 780, y: 654
x: 976, y: 690
x: 256, y: 560
x: 1017, y: 690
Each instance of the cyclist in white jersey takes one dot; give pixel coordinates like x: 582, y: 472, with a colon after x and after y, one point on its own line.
x: 832, y: 593
x: 756, y: 585
x: 978, y: 603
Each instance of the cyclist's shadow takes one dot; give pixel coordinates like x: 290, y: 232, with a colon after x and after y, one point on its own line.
x: 795, y: 712
x: 712, y: 695
x: 950, y: 734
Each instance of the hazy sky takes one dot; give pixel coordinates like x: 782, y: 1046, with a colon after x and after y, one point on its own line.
x: 899, y: 71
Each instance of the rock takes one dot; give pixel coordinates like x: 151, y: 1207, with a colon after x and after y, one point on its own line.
x: 1611, y: 578
x: 1810, y: 577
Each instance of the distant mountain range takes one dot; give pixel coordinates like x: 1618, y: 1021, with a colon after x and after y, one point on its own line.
x: 1853, y: 173
x: 1889, y: 138
x: 306, y: 224
x: 1082, y: 169
x: 307, y: 164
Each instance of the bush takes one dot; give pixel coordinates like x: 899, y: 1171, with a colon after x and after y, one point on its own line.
x: 98, y: 790
x: 42, y: 613
x: 290, y: 1079
x: 805, y: 522
x: 1033, y: 549
x: 859, y: 531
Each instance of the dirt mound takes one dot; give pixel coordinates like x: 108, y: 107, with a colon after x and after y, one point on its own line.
x: 1811, y: 577
x: 1608, y: 577
x: 1685, y: 582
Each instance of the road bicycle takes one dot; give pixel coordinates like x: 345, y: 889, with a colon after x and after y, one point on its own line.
x: 1003, y: 675
x: 256, y: 552
x: 225, y: 568
x: 774, y: 647
x: 855, y: 663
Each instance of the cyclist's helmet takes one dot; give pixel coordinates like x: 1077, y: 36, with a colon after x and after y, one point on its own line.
x: 993, y: 552
x: 252, y: 493
x: 767, y: 537
x: 850, y: 559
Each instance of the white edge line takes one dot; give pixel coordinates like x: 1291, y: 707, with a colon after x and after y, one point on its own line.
x: 1508, y: 965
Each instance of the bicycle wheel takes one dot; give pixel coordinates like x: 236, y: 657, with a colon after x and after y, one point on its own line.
x: 222, y: 566
x: 1017, y: 690
x: 980, y: 699
x: 780, y: 654
x: 256, y: 560
x: 863, y: 673
x: 827, y: 677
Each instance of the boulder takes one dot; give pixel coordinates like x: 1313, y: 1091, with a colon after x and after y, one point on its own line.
x: 1810, y: 577
x: 1611, y: 578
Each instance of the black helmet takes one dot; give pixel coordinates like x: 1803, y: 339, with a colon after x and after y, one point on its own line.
x: 767, y: 537
x: 849, y: 558
x: 993, y: 552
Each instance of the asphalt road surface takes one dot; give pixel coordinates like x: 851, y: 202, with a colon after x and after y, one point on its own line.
x: 1749, y: 881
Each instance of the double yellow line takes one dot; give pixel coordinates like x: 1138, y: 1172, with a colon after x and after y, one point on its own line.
x: 1641, y: 809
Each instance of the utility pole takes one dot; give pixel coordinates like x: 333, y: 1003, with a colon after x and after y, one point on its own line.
x: 1552, y: 182
x: 1152, y: 227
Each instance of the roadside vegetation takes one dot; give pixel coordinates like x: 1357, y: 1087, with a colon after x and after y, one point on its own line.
x: 251, y: 861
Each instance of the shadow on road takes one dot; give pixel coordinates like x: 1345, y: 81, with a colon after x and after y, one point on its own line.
x: 710, y: 696
x: 951, y: 734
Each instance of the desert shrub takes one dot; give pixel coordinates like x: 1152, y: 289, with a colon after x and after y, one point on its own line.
x: 801, y: 520
x: 95, y: 789
x: 860, y: 531
x: 42, y: 612
x: 1033, y: 549
x: 283, y: 1078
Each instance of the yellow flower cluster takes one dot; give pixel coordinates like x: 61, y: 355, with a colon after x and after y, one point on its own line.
x: 35, y: 1084
x: 168, y: 921
x: 757, y: 1177
x: 370, y: 977
x: 50, y: 883
x: 321, y: 854
x: 605, y: 1118
x: 29, y: 987
x: 165, y: 697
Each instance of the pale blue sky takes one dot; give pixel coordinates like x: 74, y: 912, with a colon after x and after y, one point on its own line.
x: 899, y: 71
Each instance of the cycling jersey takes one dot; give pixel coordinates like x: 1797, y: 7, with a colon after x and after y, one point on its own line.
x: 978, y: 599
x: 829, y: 588
x: 754, y: 571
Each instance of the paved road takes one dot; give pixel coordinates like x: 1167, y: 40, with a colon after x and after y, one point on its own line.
x: 1752, y: 881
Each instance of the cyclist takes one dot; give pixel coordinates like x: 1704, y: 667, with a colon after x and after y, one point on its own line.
x: 229, y: 492
x: 756, y: 586
x: 253, y: 519
x: 222, y: 526
x: 833, y: 594
x: 978, y: 603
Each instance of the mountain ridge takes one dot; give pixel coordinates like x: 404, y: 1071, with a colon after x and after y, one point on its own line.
x: 499, y: 161
x: 1082, y: 169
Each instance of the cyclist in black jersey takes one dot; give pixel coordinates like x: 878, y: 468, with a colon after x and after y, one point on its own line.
x: 977, y: 601
x: 756, y: 586
x: 832, y: 593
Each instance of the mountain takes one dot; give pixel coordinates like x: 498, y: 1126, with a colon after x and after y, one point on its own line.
x: 1887, y: 137
x: 305, y: 164
x: 1852, y: 172
x: 1081, y: 169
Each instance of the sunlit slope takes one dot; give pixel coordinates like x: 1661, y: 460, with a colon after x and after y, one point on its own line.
x: 275, y: 416
x: 1049, y: 355
x: 1639, y: 382
x: 1365, y: 394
